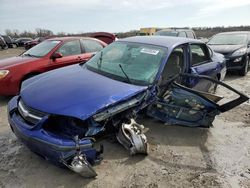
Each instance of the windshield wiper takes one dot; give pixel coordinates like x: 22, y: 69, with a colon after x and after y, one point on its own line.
x: 99, y: 63
x: 129, y: 81
x: 30, y: 55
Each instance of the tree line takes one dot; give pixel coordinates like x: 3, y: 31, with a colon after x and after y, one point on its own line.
x: 205, y: 32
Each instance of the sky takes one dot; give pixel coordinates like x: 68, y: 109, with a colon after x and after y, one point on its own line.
x: 76, y: 16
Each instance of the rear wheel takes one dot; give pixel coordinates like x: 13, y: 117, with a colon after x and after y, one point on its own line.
x: 5, y: 47
x: 244, y: 70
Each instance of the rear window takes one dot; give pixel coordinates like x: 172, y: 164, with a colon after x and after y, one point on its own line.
x: 167, y: 33
x: 190, y: 34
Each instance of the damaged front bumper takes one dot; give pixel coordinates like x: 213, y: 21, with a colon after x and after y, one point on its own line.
x: 77, y: 155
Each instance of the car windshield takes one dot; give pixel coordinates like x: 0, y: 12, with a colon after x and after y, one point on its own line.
x: 128, y: 62
x: 41, y: 49
x: 228, y: 39
x: 167, y: 33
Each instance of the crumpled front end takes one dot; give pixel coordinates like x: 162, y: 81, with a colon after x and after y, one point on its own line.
x: 61, y: 142
x: 70, y: 141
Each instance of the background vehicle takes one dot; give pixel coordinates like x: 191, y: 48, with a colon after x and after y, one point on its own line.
x: 9, y: 41
x: 187, y: 33
x: 49, y: 54
x: 21, y: 41
x: 30, y: 44
x: 104, y: 36
x: 3, y: 44
x: 235, y: 46
x: 203, y: 39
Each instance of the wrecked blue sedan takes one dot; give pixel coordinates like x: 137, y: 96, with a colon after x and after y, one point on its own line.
x: 62, y: 114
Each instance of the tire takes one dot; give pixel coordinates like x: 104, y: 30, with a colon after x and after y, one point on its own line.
x: 14, y: 46
x: 244, y: 70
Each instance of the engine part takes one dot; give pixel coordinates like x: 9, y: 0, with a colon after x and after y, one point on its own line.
x: 79, y: 163
x: 131, y: 136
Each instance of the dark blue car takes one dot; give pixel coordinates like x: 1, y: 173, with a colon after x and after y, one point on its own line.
x: 61, y: 114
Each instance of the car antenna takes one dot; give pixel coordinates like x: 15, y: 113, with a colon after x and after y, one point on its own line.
x: 125, y: 73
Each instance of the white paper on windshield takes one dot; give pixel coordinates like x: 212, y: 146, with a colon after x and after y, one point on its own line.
x: 149, y: 51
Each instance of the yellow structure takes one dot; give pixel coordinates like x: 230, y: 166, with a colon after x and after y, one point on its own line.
x: 148, y: 30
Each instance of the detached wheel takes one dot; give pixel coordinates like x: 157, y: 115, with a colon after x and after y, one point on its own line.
x: 244, y: 70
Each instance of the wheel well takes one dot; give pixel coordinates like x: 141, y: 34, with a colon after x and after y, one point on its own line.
x: 29, y: 75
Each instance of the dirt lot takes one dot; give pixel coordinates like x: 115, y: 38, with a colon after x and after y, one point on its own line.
x: 178, y: 156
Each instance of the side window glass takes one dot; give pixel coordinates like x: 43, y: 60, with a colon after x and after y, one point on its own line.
x: 174, y: 65
x: 210, y: 52
x: 70, y: 48
x: 199, y: 54
x: 249, y: 40
x: 91, y: 45
x: 190, y: 34
x: 182, y: 34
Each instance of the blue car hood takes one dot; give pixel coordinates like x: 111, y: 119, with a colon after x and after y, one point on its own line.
x: 75, y: 91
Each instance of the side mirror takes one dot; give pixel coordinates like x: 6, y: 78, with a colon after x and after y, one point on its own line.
x: 56, y: 55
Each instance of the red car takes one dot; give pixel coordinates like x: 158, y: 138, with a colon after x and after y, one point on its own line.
x: 49, y: 54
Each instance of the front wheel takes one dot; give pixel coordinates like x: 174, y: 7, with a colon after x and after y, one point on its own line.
x: 244, y: 70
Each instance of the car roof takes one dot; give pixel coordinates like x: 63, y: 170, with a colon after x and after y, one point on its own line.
x: 235, y: 32
x: 70, y: 38
x: 176, y: 30
x: 164, y: 41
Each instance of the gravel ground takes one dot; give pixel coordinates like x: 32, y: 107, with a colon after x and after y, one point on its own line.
x: 178, y: 156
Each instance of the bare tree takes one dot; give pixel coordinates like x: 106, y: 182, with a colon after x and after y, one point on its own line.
x: 43, y: 32
x: 8, y: 32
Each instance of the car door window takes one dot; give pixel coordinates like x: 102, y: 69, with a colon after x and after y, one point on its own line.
x: 91, y: 45
x: 174, y: 65
x: 199, y: 54
x: 182, y: 34
x: 190, y: 34
x: 70, y: 48
x: 248, y: 40
x: 210, y: 52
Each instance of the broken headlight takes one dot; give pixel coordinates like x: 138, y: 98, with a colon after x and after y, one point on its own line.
x: 116, y: 109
